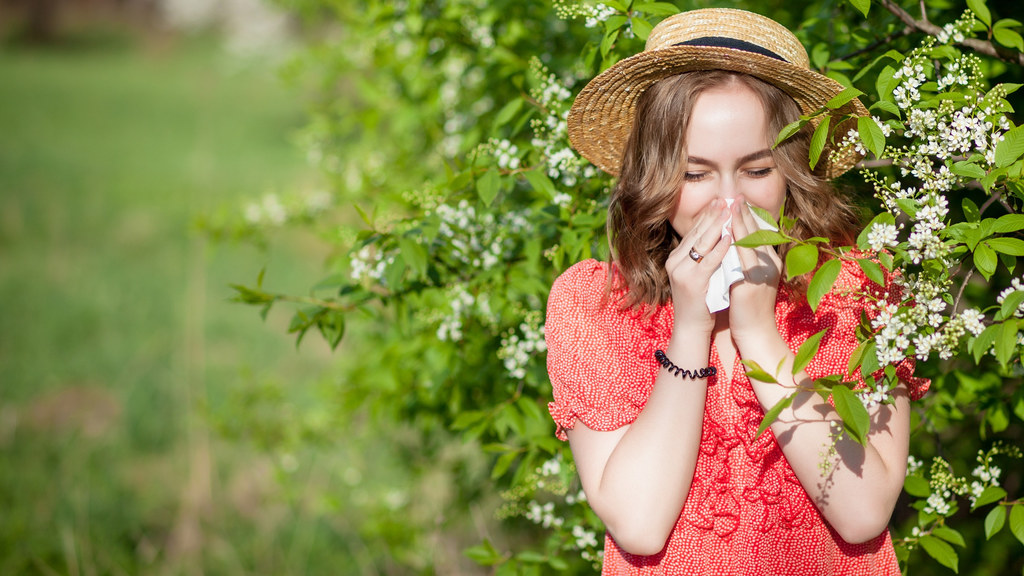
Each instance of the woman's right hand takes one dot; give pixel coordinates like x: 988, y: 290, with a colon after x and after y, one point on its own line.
x: 688, y: 278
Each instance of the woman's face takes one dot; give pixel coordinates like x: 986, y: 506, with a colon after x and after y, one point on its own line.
x: 728, y: 154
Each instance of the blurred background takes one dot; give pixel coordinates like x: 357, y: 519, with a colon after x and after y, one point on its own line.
x: 147, y: 424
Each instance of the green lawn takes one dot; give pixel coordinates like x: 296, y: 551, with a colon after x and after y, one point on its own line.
x: 118, y: 347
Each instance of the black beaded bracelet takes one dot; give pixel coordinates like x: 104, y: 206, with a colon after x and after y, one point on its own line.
x: 677, y: 371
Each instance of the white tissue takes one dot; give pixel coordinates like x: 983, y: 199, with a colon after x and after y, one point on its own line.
x: 731, y: 270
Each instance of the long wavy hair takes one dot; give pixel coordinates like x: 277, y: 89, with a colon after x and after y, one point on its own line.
x: 653, y: 169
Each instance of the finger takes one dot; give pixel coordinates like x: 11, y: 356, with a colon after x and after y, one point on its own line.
x: 701, y: 239
x: 710, y: 217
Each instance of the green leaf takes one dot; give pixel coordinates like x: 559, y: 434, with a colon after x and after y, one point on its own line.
x: 641, y: 28
x: 968, y: 170
x: 841, y: 99
x: 1010, y: 304
x: 988, y: 496
x: 1010, y: 148
x: 818, y: 140
x: 1011, y: 246
x: 609, y: 40
x: 949, y: 535
x: 985, y: 260
x: 917, y: 486
x: 800, y: 260
x: 771, y: 415
x: 885, y: 83
x: 862, y: 5
x: 994, y: 521
x: 762, y: 238
x: 657, y: 8
x: 972, y: 214
x: 1017, y: 521
x: 503, y: 464
x: 1006, y: 342
x: 871, y: 135
x: 822, y: 282
x: 807, y: 351
x: 1007, y: 23
x: 541, y: 183
x: 332, y: 328
x: 855, y: 417
x: 980, y: 10
x: 487, y: 186
x: 483, y: 554
x: 943, y: 553
x: 1008, y: 223
x: 415, y: 255
x: 983, y: 342
x: 789, y: 130
x: 1008, y: 38
x: 872, y: 270
x: 755, y: 372
x: 507, y: 112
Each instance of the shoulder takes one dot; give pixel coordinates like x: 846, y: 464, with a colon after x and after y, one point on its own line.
x: 580, y: 291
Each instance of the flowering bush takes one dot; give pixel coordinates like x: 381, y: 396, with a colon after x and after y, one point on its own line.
x: 444, y: 122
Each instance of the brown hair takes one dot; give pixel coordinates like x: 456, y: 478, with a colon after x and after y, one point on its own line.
x: 653, y: 167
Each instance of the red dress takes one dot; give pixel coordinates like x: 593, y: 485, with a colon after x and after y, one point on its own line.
x: 746, y: 512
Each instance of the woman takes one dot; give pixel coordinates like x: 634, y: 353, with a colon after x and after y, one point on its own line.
x: 649, y: 388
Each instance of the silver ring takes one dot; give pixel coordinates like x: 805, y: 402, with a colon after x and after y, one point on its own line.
x: 695, y: 256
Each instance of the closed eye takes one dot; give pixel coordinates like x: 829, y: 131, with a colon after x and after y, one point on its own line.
x: 694, y: 176
x: 761, y: 172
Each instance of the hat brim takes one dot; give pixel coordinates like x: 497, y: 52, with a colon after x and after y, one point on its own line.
x: 601, y: 117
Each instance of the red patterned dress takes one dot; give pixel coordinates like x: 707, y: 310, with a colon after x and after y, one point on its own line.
x: 746, y: 512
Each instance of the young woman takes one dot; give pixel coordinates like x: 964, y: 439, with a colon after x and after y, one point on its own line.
x: 649, y: 389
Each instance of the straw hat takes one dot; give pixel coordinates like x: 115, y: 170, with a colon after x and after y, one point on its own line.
x: 710, y: 39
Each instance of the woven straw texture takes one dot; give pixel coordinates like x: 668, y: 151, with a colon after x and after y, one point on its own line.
x: 602, y: 114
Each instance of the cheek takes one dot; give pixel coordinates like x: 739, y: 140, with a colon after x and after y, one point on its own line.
x: 769, y: 194
x: 692, y: 199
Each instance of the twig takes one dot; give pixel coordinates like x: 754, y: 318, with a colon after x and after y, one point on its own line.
x: 960, y: 293
x: 887, y: 40
x: 980, y: 46
x: 877, y: 163
x: 994, y: 197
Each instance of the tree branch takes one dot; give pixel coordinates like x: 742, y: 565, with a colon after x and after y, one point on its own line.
x: 980, y: 46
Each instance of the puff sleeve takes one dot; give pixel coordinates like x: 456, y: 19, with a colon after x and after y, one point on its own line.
x: 585, y: 333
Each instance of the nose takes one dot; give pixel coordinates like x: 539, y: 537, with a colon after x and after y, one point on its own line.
x: 728, y: 187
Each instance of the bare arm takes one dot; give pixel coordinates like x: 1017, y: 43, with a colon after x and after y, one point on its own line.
x: 859, y: 493
x: 637, y: 477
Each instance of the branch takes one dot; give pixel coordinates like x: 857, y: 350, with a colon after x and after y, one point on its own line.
x: 882, y: 42
x: 980, y: 46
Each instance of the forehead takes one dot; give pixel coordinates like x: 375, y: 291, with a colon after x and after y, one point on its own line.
x: 728, y: 118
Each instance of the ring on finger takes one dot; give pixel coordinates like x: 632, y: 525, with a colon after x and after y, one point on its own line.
x: 696, y: 256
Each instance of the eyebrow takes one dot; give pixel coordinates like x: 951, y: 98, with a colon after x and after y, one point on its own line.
x: 748, y: 158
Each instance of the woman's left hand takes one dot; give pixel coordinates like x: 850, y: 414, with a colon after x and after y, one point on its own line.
x: 752, y: 300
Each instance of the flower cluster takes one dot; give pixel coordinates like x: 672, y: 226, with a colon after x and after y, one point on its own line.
x: 479, y: 240
x: 1015, y: 286
x: 544, y: 497
x: 369, y: 264
x: 594, y: 15
x: 505, y: 153
x: 871, y: 397
x: 550, y: 133
x: 270, y: 210
x: 945, y: 486
x: 462, y: 305
x: 986, y: 473
x: 517, y: 350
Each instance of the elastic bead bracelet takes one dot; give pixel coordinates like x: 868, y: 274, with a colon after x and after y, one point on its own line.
x: 677, y: 371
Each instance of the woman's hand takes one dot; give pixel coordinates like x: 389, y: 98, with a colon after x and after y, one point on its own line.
x: 689, y: 278
x: 752, y: 301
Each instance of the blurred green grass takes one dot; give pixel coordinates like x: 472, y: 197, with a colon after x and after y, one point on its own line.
x: 116, y: 337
